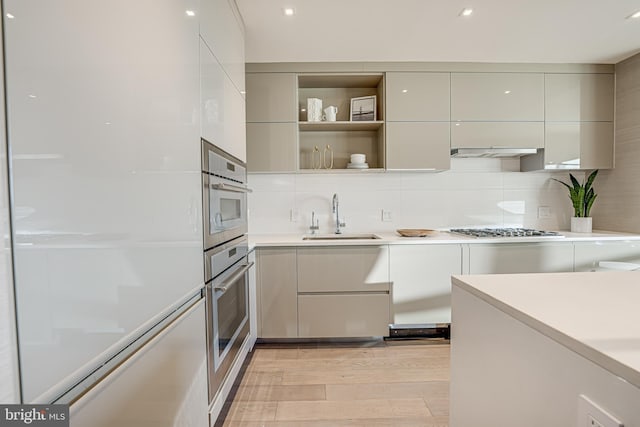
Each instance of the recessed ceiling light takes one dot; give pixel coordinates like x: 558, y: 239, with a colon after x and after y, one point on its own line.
x: 467, y: 11
x: 190, y: 13
x: 507, y: 92
x: 32, y: 96
x: 289, y: 11
x: 404, y: 90
x: 634, y: 15
x: 10, y: 16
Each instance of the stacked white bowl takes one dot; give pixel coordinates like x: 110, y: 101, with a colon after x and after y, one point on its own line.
x: 358, y: 161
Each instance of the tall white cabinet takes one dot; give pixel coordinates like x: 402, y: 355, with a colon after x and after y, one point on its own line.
x: 104, y: 136
x: 163, y: 384
x: 222, y: 78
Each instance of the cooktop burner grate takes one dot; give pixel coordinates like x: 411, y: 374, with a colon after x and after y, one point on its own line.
x: 505, y: 232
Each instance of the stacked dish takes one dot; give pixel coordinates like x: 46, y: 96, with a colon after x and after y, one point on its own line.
x: 358, y: 161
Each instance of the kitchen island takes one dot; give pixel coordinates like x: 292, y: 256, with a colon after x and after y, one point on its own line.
x: 526, y: 347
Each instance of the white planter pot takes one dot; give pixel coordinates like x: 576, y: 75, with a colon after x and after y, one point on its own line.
x: 581, y: 224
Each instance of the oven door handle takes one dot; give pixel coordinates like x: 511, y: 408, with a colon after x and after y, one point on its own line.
x: 229, y: 187
x: 224, y: 286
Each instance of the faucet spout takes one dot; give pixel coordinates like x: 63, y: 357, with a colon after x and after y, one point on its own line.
x: 336, y: 211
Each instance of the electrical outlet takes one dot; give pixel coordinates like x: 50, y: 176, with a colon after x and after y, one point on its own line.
x: 294, y: 215
x: 386, y: 216
x: 544, y: 212
x: 592, y: 415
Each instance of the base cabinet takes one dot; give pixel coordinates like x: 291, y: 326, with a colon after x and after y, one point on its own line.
x: 421, y: 282
x: 323, y: 292
x: 613, y: 255
x: 278, y: 293
x: 343, y: 315
x: 520, y: 258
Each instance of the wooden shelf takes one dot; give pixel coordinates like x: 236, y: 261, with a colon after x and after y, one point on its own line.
x: 340, y: 126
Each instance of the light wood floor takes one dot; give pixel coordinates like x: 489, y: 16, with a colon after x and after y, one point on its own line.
x: 381, y: 383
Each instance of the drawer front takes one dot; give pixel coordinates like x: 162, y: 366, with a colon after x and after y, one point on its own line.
x: 343, y: 315
x: 348, y: 269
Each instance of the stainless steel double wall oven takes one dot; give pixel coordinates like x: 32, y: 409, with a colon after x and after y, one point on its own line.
x: 224, y: 197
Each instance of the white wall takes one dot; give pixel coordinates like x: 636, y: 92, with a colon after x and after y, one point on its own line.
x: 475, y: 192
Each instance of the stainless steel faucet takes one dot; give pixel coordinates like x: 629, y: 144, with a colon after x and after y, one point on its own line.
x: 337, y: 212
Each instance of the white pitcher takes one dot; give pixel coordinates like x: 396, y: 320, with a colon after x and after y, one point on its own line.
x: 330, y: 113
x: 314, y: 109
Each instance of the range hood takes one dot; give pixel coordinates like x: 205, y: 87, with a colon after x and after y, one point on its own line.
x: 493, y: 152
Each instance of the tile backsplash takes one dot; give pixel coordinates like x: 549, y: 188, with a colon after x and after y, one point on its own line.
x: 474, y: 193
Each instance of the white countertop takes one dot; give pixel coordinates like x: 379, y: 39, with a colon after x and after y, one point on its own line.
x: 392, y: 238
x: 594, y: 314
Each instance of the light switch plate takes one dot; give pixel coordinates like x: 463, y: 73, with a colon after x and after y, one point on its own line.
x: 294, y: 215
x: 592, y: 415
x: 386, y: 216
x: 544, y: 212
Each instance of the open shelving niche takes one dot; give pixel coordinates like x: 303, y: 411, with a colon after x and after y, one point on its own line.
x: 344, y: 136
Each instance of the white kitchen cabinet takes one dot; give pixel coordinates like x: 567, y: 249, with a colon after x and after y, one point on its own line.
x: 278, y: 293
x: 343, y: 269
x: 343, y: 291
x: 343, y: 315
x: 579, y: 145
x: 579, y: 131
x: 497, y: 110
x: 418, y: 146
x: 513, y: 97
x: 501, y: 258
x: 579, y: 97
x: 271, y: 97
x: 222, y: 107
x: 272, y: 129
x: 588, y: 255
x: 417, y: 97
x: 497, y: 135
x: 421, y: 282
x: 107, y: 110
x: 222, y: 30
x: 162, y: 384
x: 272, y: 147
x: 417, y: 111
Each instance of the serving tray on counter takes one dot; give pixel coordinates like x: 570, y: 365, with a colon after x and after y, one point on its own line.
x: 416, y: 232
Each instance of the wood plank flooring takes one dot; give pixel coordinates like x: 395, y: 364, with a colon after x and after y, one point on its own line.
x: 394, y: 383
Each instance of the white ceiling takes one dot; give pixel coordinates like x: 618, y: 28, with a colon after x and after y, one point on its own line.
x: 555, y: 31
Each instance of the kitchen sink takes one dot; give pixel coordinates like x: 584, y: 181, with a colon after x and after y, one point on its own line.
x: 340, y: 237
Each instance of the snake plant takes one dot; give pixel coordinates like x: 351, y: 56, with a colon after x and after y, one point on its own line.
x: 582, y: 195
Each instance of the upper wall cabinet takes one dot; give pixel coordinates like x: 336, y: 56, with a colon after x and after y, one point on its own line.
x: 222, y: 30
x: 222, y: 107
x: 272, y: 122
x: 497, y: 110
x: 579, y: 97
x: 327, y: 145
x: 579, y: 130
x: 271, y: 97
x: 515, y: 97
x: 418, y: 97
x: 418, y: 121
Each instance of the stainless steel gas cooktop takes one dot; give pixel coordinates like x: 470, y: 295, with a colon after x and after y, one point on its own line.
x: 504, y: 232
